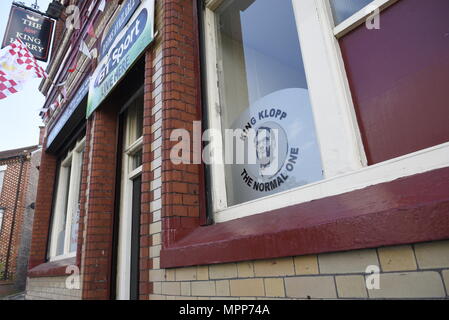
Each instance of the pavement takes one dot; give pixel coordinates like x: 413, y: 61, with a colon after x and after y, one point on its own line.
x: 17, y: 296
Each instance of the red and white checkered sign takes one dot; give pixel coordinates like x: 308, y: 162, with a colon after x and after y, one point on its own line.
x: 16, y: 65
x: 19, y: 51
x: 7, y: 86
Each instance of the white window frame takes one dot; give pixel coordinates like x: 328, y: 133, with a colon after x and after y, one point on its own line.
x: 2, y: 171
x: 343, y: 155
x: 360, y: 17
x: 126, y: 206
x: 2, y: 213
x: 74, y: 159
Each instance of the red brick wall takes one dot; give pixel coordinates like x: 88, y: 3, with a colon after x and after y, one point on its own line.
x: 59, y: 33
x: 180, y: 81
x: 172, y: 95
x: 42, y: 214
x: 147, y: 176
x: 83, y: 192
x: 96, y: 254
x: 8, y: 200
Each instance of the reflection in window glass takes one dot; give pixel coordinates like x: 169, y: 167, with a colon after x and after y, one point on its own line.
x: 1, y: 217
x: 65, y: 220
x: 74, y: 228
x: 343, y: 9
x: 135, y: 121
x: 136, y: 160
x: 66, y: 172
x: 2, y: 175
x: 263, y: 86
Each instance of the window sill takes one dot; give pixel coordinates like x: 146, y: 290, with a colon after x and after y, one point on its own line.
x: 426, y: 160
x: 52, y: 269
x: 408, y: 210
x: 63, y: 257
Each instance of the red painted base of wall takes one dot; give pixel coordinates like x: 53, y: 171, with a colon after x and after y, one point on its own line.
x: 409, y: 210
x: 52, y: 269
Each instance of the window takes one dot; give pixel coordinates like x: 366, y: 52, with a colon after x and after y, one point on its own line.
x: 2, y: 177
x: 64, y: 234
x: 343, y: 9
x: 129, y: 232
x: 2, y: 211
x: 274, y: 64
x: 349, y: 14
x: 263, y: 85
x: 401, y: 105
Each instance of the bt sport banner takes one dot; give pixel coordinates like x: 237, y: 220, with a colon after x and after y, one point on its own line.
x: 130, y: 35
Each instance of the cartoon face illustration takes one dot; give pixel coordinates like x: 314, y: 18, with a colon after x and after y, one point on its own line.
x: 270, y: 147
x: 265, y: 146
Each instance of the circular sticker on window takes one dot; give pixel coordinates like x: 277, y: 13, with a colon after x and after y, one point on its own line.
x: 274, y: 149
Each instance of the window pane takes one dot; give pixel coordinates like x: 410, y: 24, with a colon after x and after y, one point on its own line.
x: 402, y: 103
x: 1, y: 218
x: 343, y: 9
x: 139, y: 117
x: 74, y: 226
x: 263, y: 87
x: 136, y: 161
x: 2, y: 175
x: 74, y: 229
x: 65, y: 227
x: 62, y: 208
x: 135, y: 121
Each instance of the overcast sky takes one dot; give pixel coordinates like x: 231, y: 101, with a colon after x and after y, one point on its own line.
x: 19, y: 113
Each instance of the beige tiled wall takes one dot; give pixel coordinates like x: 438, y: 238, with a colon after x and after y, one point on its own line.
x: 51, y: 288
x: 411, y: 271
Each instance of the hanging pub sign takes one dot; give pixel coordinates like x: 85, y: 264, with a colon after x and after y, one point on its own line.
x: 33, y: 28
x: 123, y: 52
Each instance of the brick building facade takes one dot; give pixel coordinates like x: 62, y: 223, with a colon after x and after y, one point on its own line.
x: 113, y: 205
x: 18, y: 176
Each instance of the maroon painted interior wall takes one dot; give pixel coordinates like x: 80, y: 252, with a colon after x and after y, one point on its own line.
x: 399, y: 77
